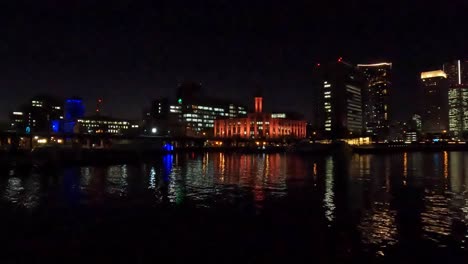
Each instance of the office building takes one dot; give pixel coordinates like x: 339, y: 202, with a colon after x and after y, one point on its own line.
x: 457, y: 72
x: 435, y: 102
x: 199, y: 117
x: 458, y: 110
x: 342, y: 85
x: 200, y: 111
x: 260, y: 125
x: 42, y: 114
x: 192, y: 114
x: 411, y: 136
x: 99, y: 124
x: 376, y: 98
x: 164, y: 118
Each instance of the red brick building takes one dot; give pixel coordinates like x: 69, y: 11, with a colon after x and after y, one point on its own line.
x: 260, y: 125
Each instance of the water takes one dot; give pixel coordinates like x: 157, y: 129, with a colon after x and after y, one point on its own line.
x: 331, y: 208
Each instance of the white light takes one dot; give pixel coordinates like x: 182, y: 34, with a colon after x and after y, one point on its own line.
x: 18, y: 113
x: 36, y: 137
x: 375, y: 64
x: 459, y: 74
x: 154, y: 130
x: 42, y: 141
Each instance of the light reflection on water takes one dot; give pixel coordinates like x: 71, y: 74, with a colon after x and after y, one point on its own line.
x: 388, y: 199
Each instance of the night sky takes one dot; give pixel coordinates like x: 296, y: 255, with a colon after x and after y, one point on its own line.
x: 128, y: 52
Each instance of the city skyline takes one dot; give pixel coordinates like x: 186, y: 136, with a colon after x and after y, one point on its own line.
x: 130, y: 53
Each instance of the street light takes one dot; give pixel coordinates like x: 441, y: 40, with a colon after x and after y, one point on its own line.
x: 154, y: 130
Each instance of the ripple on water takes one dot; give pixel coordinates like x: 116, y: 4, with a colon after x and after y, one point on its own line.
x: 378, y: 226
x: 436, y: 218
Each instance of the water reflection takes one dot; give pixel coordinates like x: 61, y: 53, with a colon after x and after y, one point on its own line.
x: 329, y: 194
x: 378, y: 221
x: 398, y: 199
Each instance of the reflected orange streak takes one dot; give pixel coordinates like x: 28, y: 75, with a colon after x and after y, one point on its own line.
x: 445, y: 164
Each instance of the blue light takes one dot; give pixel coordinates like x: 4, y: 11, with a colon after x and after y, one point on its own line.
x: 73, y: 101
x: 28, y: 130
x: 435, y: 140
x: 74, y: 109
x: 168, y: 147
x: 55, y: 126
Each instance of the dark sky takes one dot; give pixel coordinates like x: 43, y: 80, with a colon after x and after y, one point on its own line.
x: 128, y: 52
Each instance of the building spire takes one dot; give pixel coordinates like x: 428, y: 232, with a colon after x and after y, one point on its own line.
x: 258, y: 100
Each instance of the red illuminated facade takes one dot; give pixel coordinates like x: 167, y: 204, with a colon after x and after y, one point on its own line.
x: 260, y: 125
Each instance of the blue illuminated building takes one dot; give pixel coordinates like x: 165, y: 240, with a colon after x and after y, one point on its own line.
x: 74, y: 109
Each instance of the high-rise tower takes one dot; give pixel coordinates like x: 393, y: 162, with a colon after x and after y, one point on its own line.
x: 376, y: 98
x: 435, y: 102
x: 342, y: 85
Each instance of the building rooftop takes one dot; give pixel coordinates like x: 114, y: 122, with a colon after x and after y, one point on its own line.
x: 376, y: 64
x: 433, y: 74
x: 103, y: 118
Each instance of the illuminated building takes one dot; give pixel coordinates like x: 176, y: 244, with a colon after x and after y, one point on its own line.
x: 74, y: 109
x: 163, y: 117
x: 435, y: 102
x: 398, y: 130
x: 192, y: 114
x: 200, y: 111
x: 200, y: 117
x: 457, y: 72
x: 416, y: 123
x: 41, y: 114
x: 342, y: 85
x: 411, y: 136
x: 458, y: 109
x: 102, y: 124
x: 376, y: 98
x: 457, y: 79
x: 260, y: 125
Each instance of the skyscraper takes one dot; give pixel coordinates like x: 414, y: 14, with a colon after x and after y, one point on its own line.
x: 376, y: 98
x: 435, y: 102
x: 342, y: 85
x: 458, y: 110
x: 457, y: 72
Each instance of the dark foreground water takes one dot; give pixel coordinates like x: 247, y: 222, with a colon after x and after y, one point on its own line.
x: 218, y: 208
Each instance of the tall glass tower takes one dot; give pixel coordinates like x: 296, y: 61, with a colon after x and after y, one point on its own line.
x: 435, y: 102
x: 376, y: 98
